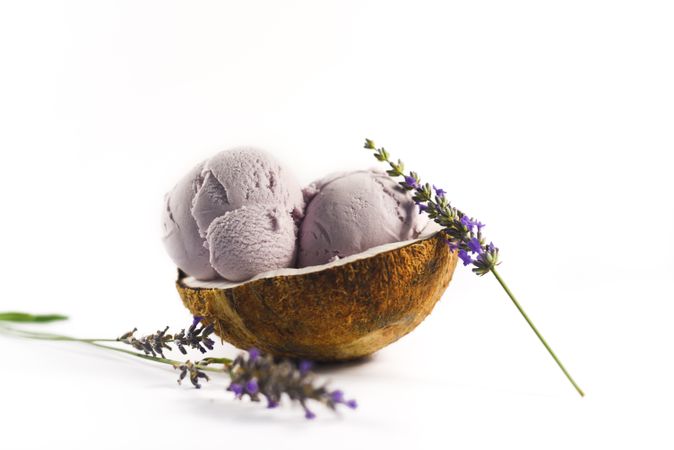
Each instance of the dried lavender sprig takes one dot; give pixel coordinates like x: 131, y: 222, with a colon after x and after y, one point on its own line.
x: 260, y: 375
x: 37, y: 335
x: 153, y: 344
x: 464, y: 234
x: 196, y: 338
x: 254, y: 375
x: 195, y: 372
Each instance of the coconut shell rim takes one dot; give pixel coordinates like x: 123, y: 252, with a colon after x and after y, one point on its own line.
x: 182, y: 276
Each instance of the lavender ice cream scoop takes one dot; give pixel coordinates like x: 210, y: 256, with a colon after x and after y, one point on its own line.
x: 351, y: 212
x: 227, y: 191
x: 252, y: 240
x: 181, y: 235
x: 244, y: 176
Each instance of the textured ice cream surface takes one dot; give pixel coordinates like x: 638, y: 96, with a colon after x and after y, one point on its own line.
x: 244, y: 176
x: 348, y: 213
x: 181, y: 235
x: 225, y: 184
x: 251, y: 240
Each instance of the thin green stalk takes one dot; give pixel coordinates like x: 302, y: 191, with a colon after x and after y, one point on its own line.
x: 533, y: 327
x: 96, y: 343
x: 52, y: 336
x: 15, y: 316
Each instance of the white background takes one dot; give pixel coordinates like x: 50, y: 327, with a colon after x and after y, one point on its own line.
x: 551, y: 122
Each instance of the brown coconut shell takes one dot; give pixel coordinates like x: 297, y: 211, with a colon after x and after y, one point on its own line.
x: 337, y: 313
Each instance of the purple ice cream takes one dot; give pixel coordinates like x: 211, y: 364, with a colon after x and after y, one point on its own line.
x: 181, y: 235
x: 213, y: 194
x: 244, y: 176
x: 251, y: 240
x: 351, y: 212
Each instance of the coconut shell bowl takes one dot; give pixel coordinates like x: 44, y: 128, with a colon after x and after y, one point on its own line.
x: 337, y: 311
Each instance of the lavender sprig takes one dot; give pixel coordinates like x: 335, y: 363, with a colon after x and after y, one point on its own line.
x: 260, y: 375
x: 196, y: 338
x: 253, y: 375
x: 153, y: 344
x: 463, y: 234
x: 194, y: 370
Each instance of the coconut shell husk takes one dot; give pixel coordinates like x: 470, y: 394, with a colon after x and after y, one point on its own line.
x: 338, y: 313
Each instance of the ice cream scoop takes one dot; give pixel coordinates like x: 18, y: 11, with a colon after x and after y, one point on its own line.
x: 348, y: 213
x: 244, y: 176
x: 251, y: 240
x: 223, y: 186
x: 181, y: 235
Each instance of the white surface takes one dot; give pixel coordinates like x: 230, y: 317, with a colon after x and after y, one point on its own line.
x: 552, y: 123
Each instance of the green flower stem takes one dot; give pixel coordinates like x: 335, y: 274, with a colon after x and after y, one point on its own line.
x: 51, y: 336
x: 13, y: 316
x: 533, y: 327
x: 96, y: 343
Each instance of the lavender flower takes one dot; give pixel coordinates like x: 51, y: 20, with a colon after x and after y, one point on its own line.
x: 305, y: 366
x: 462, y: 233
x: 465, y: 257
x: 154, y: 344
x: 467, y: 222
x: 412, y: 182
x: 252, y: 387
x: 475, y: 246
x: 253, y: 354
x: 453, y: 246
x: 259, y: 376
x: 195, y: 337
x: 256, y: 375
x: 194, y: 371
x: 236, y: 388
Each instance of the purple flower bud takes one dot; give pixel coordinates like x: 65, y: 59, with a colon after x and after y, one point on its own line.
x: 439, y: 191
x: 466, y: 222
x: 252, y: 387
x: 475, y: 246
x: 411, y: 182
x: 479, y: 225
x: 253, y: 354
x: 490, y: 247
x: 271, y: 404
x: 422, y: 207
x: 309, y: 414
x: 305, y: 366
x: 452, y: 245
x: 236, y: 388
x: 337, y: 396
x: 352, y: 404
x: 196, y: 320
x: 465, y: 257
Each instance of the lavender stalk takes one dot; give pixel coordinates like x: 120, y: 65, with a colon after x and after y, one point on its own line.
x: 254, y: 375
x: 37, y: 335
x: 463, y: 234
